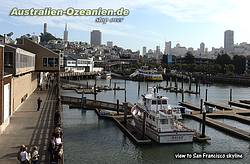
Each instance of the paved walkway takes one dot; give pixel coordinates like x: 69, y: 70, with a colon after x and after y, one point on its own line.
x: 29, y: 127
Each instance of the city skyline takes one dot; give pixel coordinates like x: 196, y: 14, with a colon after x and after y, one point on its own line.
x: 150, y: 23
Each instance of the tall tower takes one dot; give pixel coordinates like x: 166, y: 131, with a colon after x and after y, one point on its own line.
x: 66, y: 33
x: 202, y: 48
x: 228, y: 41
x: 45, y: 28
x: 167, y: 50
x: 144, y: 50
x: 95, y: 38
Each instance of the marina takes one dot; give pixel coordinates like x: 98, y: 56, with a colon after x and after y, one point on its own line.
x: 241, y: 133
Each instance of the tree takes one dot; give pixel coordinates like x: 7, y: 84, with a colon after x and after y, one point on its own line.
x: 229, y: 69
x: 223, y: 60
x: 239, y: 63
x: 189, y: 58
x: 45, y: 37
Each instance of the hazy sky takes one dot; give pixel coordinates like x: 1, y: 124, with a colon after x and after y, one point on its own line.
x: 150, y: 22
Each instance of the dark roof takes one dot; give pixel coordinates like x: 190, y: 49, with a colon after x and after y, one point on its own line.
x: 75, y: 57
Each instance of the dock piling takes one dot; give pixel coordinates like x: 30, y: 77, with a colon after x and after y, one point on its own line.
x: 125, y: 108
x: 114, y: 88
x: 199, y: 86
x: 144, y: 125
x: 230, y: 95
x: 201, y: 106
x: 182, y: 82
x: 190, y: 82
x: 196, y: 86
x: 95, y: 92
x: 182, y: 95
x: 117, y: 106
x: 139, y: 87
x: 170, y: 82
x: 147, y: 86
x: 125, y: 96
x: 206, y: 95
x: 203, y: 135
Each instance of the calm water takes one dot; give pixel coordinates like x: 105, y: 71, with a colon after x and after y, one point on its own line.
x: 92, y: 140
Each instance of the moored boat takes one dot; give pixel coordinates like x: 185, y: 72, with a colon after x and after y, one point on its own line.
x: 161, y: 120
x: 145, y: 74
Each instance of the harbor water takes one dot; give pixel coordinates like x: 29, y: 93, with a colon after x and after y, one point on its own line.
x: 89, y: 139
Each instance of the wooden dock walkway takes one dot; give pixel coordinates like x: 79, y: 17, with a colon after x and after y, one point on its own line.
x: 217, y: 106
x: 239, y: 104
x: 245, y: 101
x: 189, y: 106
x: 224, y: 127
x: 93, y: 104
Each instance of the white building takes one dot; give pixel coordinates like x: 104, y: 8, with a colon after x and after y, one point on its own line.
x: 228, y: 41
x: 109, y: 44
x: 77, y: 63
x: 95, y: 38
x: 179, y: 51
x: 167, y: 48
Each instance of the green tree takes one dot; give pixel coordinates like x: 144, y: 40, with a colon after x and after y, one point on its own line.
x: 45, y: 37
x: 229, y: 69
x: 239, y: 63
x: 222, y: 60
x: 189, y: 58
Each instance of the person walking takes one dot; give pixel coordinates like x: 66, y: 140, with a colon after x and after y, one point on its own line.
x: 39, y: 101
x: 35, y: 156
x: 23, y: 155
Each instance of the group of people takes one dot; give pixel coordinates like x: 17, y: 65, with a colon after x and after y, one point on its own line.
x: 56, y: 146
x: 28, y: 158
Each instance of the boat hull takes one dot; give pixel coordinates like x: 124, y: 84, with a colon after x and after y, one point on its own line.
x: 166, y: 137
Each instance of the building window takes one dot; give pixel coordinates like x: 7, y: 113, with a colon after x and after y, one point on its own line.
x: 45, y: 62
x: 51, y: 62
x: 56, y: 62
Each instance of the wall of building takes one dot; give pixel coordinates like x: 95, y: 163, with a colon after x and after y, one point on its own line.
x: 1, y: 83
x: 41, y: 54
x: 20, y: 94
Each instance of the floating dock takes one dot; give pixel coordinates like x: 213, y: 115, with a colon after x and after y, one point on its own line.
x: 133, y: 133
x: 227, y: 112
x: 239, y: 104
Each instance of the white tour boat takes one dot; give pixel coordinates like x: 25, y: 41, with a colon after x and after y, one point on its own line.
x: 161, y: 120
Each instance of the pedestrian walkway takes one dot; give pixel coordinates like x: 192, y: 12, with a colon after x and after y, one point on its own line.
x: 29, y: 127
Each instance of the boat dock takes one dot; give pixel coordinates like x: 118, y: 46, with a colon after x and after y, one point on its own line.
x: 221, y: 126
x: 226, y: 112
x: 93, y: 104
x: 217, y: 106
x: 239, y: 104
x: 134, y: 134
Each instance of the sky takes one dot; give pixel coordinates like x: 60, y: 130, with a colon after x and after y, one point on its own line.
x: 150, y: 22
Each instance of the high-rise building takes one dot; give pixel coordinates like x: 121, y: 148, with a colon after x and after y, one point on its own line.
x: 202, y: 48
x: 109, y: 44
x: 95, y: 38
x: 157, y: 53
x: 228, y: 41
x: 45, y: 28
x: 66, y: 33
x: 167, y: 48
x: 144, y: 51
